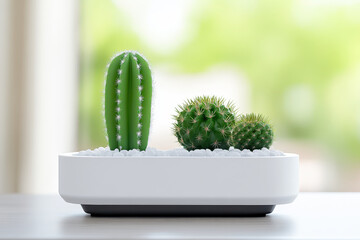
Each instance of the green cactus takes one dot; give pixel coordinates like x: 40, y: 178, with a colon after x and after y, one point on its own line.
x: 128, y: 92
x: 204, y: 123
x: 252, y: 131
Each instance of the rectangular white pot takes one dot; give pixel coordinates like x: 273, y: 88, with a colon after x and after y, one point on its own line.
x: 178, y: 185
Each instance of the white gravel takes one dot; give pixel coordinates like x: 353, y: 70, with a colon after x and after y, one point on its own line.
x: 101, y: 151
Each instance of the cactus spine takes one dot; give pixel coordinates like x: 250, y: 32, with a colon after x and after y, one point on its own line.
x: 252, y: 131
x: 128, y: 92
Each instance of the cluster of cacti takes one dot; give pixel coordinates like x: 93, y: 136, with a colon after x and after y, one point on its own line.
x: 252, y: 132
x: 209, y: 123
x: 201, y: 123
x: 204, y: 123
x: 128, y: 92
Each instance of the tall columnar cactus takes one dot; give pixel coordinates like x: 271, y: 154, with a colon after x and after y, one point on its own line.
x: 204, y: 123
x: 252, y: 131
x: 128, y: 92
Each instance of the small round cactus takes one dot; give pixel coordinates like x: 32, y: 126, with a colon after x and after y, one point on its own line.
x: 252, y: 131
x: 204, y: 123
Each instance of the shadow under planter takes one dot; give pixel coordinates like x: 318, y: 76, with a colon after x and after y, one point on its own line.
x: 179, y: 210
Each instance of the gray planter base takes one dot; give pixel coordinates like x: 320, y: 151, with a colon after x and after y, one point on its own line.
x: 179, y: 210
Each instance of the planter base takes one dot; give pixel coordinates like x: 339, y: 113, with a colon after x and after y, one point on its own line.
x: 179, y: 210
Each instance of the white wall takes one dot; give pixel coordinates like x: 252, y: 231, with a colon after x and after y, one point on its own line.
x: 50, y: 97
x: 5, y: 172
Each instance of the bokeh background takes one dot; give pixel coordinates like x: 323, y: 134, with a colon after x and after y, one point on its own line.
x: 297, y: 62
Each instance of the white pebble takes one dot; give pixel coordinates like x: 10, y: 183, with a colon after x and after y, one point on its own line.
x: 102, y: 149
x: 142, y: 153
x: 118, y: 154
x: 246, y: 153
x: 259, y: 153
x: 198, y: 152
x: 105, y: 151
x: 266, y: 151
x: 182, y: 152
x: 235, y: 152
x: 97, y: 152
x: 208, y: 152
x: 133, y: 152
x: 229, y: 153
x: 108, y: 153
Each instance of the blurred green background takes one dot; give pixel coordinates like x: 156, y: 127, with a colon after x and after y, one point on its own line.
x: 301, y: 60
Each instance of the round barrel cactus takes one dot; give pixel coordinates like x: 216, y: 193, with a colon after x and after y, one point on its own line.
x: 128, y: 92
x: 252, y: 131
x: 204, y: 123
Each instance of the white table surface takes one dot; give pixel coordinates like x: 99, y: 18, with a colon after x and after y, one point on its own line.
x: 311, y: 216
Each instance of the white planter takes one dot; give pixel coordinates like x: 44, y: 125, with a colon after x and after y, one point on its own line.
x: 178, y: 185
